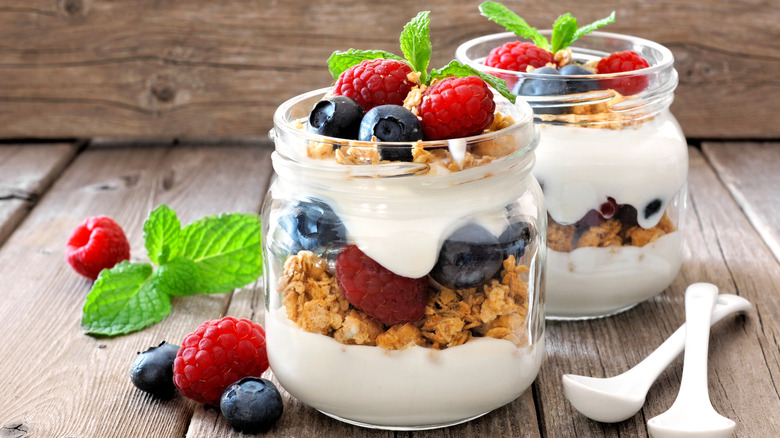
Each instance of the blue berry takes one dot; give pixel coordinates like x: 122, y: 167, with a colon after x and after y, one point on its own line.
x: 470, y: 256
x: 312, y: 226
x: 336, y: 116
x: 514, y: 239
x: 652, y: 208
x: 251, y: 405
x: 152, y: 370
x: 541, y: 82
x: 390, y: 123
x: 580, y: 85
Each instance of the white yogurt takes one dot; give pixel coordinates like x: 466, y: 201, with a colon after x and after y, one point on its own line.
x: 403, y: 388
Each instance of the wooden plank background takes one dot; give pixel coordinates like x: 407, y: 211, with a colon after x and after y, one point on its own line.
x: 200, y: 68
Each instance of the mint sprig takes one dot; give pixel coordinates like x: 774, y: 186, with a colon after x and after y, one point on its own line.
x: 339, y: 62
x: 416, y: 44
x: 564, y: 29
x: 213, y: 255
x: 455, y: 68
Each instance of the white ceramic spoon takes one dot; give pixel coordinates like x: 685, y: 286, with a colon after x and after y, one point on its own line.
x: 692, y: 414
x: 619, y: 398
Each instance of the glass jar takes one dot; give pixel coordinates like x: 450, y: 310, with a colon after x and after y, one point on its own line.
x: 613, y: 166
x: 461, y: 225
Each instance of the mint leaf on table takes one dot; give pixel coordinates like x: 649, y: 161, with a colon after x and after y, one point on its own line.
x: 455, y: 68
x: 584, y: 30
x: 123, y: 300
x: 339, y: 62
x: 416, y: 44
x: 162, y: 232
x: 563, y: 32
x: 512, y: 22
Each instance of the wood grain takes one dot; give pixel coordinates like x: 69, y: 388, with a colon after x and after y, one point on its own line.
x: 76, y: 385
x: 751, y: 174
x: 198, y: 68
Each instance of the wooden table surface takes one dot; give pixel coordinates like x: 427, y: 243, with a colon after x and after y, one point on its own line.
x: 57, y: 382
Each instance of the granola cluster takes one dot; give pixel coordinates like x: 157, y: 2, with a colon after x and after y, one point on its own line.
x: 452, y: 317
x: 612, y: 232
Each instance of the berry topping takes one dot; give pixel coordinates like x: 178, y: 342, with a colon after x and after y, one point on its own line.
x: 312, y: 225
x: 514, y: 239
x: 216, y: 354
x: 388, y: 297
x: 375, y: 82
x: 456, y: 107
x: 337, y: 116
x: 390, y: 123
x: 470, y: 256
x: 575, y: 85
x: 251, y: 405
x: 652, y: 208
x: 152, y: 370
x: 619, y: 62
x: 540, y: 83
x: 517, y: 56
x: 97, y: 243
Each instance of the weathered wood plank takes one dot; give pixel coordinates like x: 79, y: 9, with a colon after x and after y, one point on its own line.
x: 198, y: 68
x: 26, y: 171
x: 751, y: 173
x: 75, y: 385
x: 721, y: 248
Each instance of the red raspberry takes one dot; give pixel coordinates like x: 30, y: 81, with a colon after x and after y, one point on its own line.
x: 216, y: 354
x: 517, y: 56
x: 375, y: 82
x: 621, y: 62
x: 456, y: 107
x: 380, y: 293
x: 97, y: 243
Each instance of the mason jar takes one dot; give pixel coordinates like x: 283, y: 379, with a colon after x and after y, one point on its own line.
x: 613, y: 167
x: 404, y: 282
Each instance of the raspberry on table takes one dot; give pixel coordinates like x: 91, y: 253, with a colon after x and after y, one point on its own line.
x: 97, y: 243
x: 216, y: 354
x: 517, y: 56
x: 619, y: 62
x: 375, y: 82
x: 380, y: 293
x: 456, y: 107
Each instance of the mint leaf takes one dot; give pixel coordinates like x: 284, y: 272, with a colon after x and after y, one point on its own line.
x: 584, y: 30
x: 123, y: 300
x: 512, y: 22
x: 416, y: 44
x: 339, y: 62
x: 179, y: 277
x: 226, y: 250
x: 455, y: 68
x: 162, y: 232
x: 563, y: 32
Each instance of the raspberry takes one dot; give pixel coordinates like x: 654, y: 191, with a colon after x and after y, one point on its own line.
x: 621, y: 62
x: 380, y: 293
x: 216, y: 354
x: 517, y: 56
x: 375, y: 82
x: 456, y: 107
x: 97, y: 243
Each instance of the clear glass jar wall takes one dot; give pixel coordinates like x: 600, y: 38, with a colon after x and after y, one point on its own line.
x: 613, y: 167
x: 472, y: 239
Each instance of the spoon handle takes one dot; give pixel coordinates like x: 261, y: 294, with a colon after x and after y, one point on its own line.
x: 699, y: 302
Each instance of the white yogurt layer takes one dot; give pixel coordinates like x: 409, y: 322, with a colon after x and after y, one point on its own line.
x: 580, y: 167
x: 599, y: 281
x: 411, y: 387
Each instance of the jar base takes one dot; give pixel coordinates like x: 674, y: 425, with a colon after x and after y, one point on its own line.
x: 587, y: 317
x: 402, y: 428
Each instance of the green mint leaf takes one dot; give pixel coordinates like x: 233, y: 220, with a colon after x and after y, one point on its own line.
x: 124, y: 300
x: 225, y: 249
x: 512, y: 22
x: 584, y: 30
x: 563, y: 32
x: 339, y: 62
x: 455, y: 68
x: 416, y: 44
x: 162, y: 234
x: 179, y: 277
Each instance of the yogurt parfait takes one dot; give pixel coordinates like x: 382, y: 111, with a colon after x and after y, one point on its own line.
x: 404, y: 242
x: 612, y: 159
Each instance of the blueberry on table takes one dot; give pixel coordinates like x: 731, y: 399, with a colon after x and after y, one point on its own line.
x: 251, y: 405
x: 574, y: 86
x: 312, y: 225
x: 514, y: 239
x: 470, y: 256
x: 152, y: 370
x: 390, y: 123
x: 336, y: 116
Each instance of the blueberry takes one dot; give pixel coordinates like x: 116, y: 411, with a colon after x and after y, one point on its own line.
x: 470, y: 256
x: 312, y: 225
x: 574, y: 86
x: 626, y: 214
x: 390, y: 123
x: 396, y: 153
x: 251, y: 405
x: 652, y: 208
x: 152, y: 370
x: 514, y: 239
x: 336, y: 116
x: 541, y: 86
